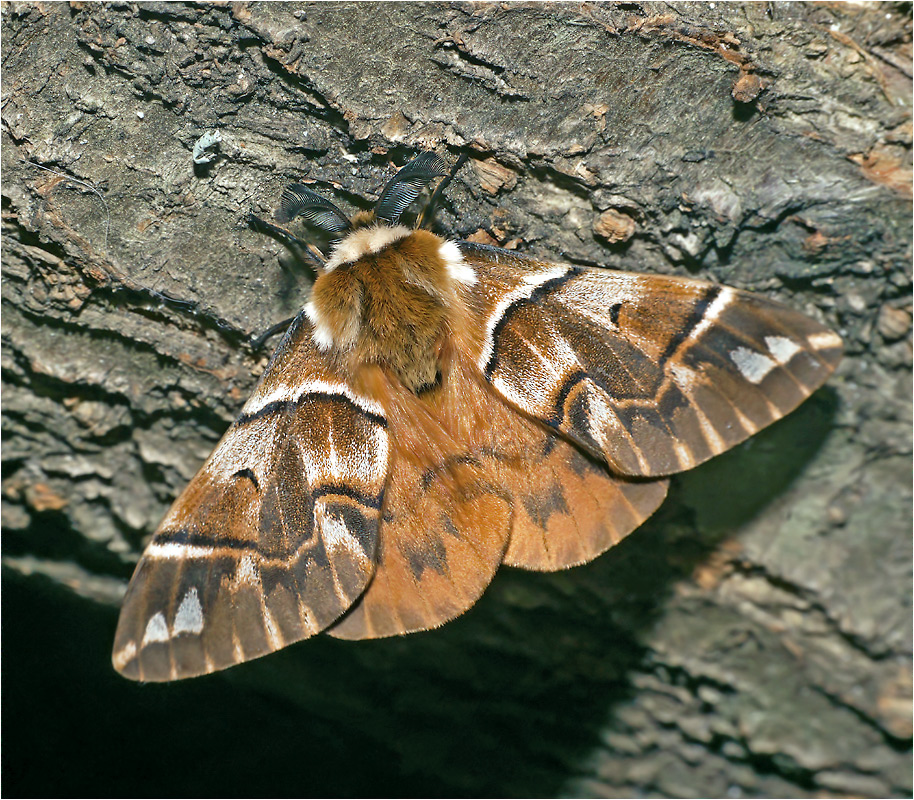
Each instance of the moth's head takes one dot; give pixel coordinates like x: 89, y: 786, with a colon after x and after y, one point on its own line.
x: 366, y: 232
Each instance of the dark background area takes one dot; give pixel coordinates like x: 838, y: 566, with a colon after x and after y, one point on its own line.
x: 752, y: 639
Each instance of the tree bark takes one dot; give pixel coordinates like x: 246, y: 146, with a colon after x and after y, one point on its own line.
x: 753, y: 639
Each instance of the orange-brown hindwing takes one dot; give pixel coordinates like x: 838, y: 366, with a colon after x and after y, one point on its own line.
x: 446, y: 515
x: 276, y: 535
x: 568, y: 506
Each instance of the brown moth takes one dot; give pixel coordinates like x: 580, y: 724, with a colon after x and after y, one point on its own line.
x: 439, y: 408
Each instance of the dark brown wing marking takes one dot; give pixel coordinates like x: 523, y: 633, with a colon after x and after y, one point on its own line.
x: 655, y: 374
x: 569, y: 508
x: 276, y: 535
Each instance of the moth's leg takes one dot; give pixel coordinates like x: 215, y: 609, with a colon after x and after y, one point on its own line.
x: 286, y: 237
x: 279, y: 327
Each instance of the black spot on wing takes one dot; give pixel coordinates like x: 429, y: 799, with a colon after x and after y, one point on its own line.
x: 450, y: 527
x: 249, y: 474
x: 429, y: 553
x: 541, y: 506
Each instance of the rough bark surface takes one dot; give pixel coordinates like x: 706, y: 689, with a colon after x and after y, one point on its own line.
x: 752, y: 640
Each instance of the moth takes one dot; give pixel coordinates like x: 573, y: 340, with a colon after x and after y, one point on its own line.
x: 439, y: 408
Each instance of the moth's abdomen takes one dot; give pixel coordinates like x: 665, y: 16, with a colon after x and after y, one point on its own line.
x: 390, y: 297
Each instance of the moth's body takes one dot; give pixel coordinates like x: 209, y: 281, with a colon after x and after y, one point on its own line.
x: 393, y: 311
x: 394, y: 298
x: 438, y: 409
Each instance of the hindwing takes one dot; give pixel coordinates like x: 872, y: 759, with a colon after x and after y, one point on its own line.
x: 475, y: 483
x: 568, y: 506
x: 276, y: 535
x: 655, y: 374
x: 447, y: 508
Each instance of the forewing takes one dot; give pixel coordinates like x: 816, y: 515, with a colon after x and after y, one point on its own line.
x: 656, y: 374
x: 274, y: 538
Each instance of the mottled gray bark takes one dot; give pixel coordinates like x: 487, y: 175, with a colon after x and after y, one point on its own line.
x: 753, y: 639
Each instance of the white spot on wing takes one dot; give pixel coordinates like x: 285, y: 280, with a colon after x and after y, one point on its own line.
x: 753, y: 366
x: 247, y: 571
x: 177, y: 550
x: 156, y: 629
x: 685, y: 378
x: 337, y: 537
x: 189, y: 618
x: 123, y: 656
x: 457, y: 268
x: 824, y: 340
x: 782, y: 348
